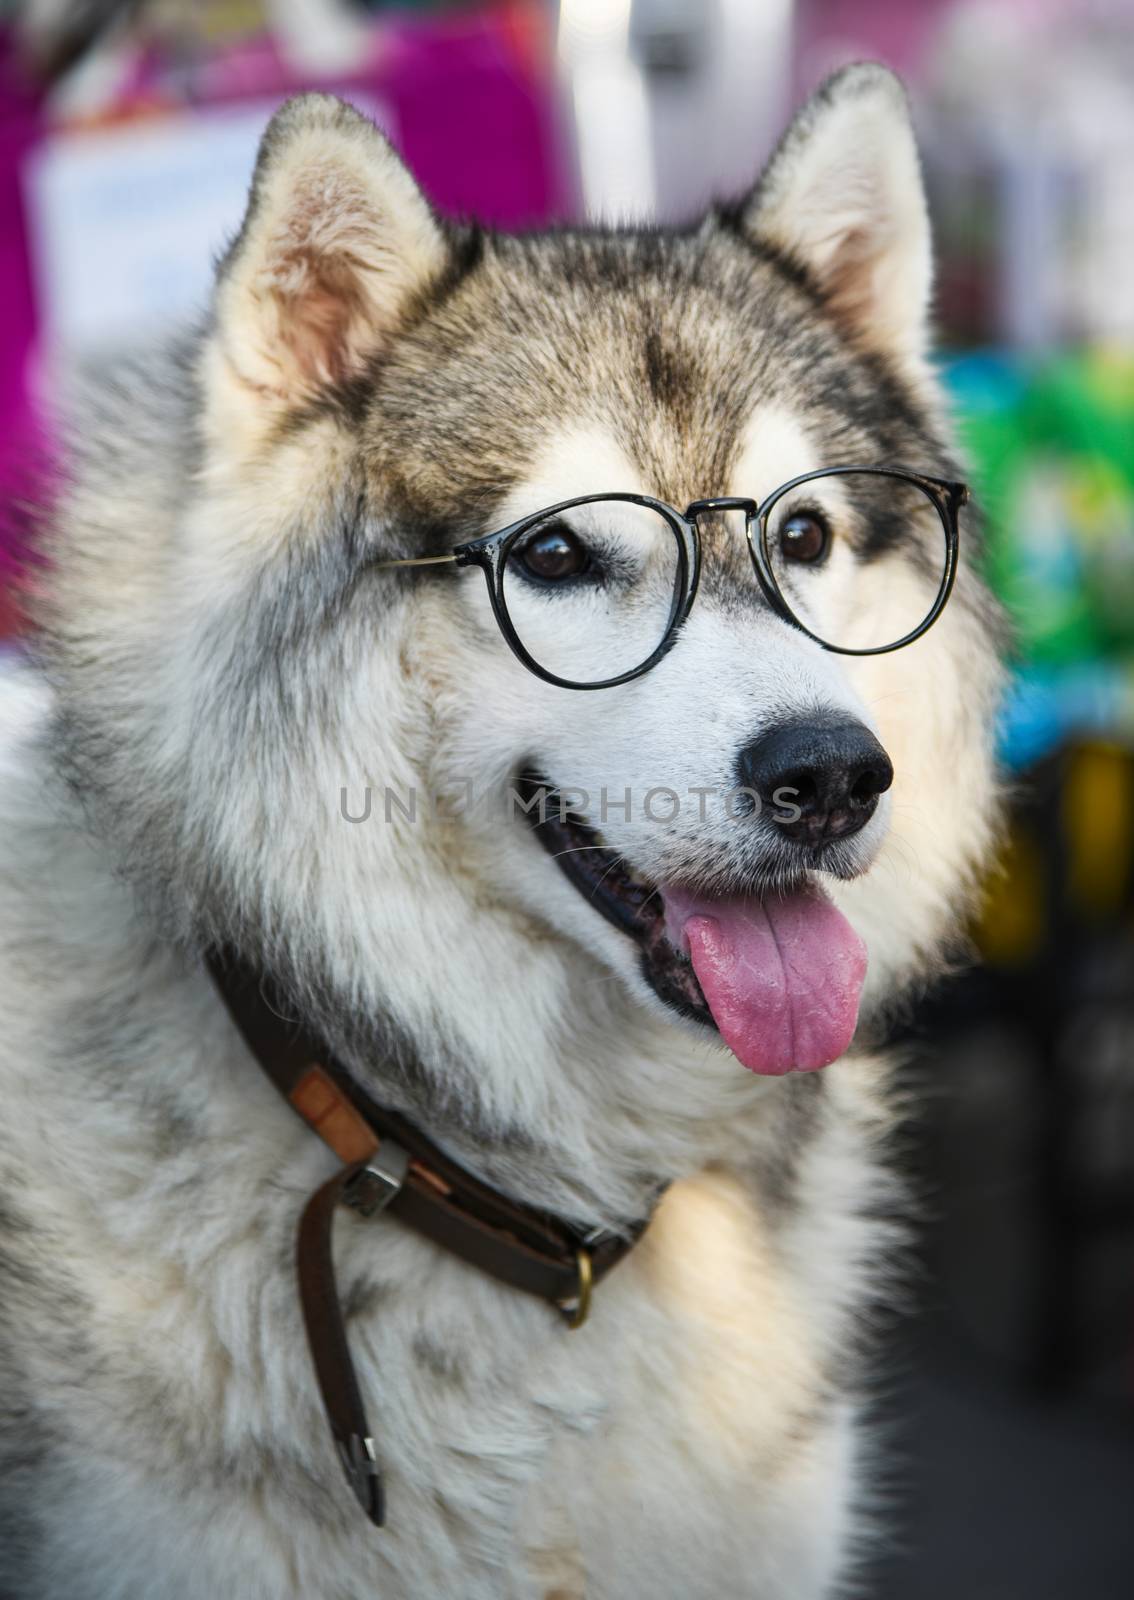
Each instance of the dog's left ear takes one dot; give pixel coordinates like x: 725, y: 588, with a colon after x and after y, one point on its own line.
x: 842, y: 197
x: 337, y: 243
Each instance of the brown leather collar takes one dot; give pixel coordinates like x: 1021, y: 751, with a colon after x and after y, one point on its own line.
x: 388, y: 1166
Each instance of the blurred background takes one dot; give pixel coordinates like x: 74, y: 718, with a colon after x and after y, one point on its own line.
x: 127, y: 134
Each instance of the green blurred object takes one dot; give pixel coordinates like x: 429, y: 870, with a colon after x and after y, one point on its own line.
x: 1052, y: 444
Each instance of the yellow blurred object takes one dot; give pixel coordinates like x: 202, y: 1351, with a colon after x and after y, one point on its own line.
x: 1011, y: 928
x: 1098, y: 826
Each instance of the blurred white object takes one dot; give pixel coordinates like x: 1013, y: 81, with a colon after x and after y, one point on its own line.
x: 321, y: 38
x: 675, y: 102
x: 719, y: 98
x: 612, y: 125
x: 127, y: 222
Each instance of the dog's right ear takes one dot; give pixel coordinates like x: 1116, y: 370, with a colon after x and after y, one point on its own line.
x: 336, y: 245
x: 842, y: 198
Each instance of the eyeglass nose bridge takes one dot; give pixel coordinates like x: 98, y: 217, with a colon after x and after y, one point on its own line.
x: 721, y: 502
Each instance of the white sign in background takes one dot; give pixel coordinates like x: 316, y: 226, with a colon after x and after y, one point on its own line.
x: 127, y: 222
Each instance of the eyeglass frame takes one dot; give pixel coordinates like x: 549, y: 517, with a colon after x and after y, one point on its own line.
x: 490, y: 552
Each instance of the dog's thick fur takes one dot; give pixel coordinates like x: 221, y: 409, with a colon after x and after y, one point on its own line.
x: 218, y: 661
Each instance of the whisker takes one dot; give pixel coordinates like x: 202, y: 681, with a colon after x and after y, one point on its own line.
x: 580, y: 822
x: 617, y: 862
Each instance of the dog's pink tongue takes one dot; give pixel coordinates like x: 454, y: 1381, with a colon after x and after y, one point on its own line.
x: 782, y: 976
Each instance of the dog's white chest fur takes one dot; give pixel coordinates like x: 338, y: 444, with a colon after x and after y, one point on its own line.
x: 683, y: 1443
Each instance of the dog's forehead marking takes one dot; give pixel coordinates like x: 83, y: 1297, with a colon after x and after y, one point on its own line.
x: 774, y: 447
x: 577, y: 460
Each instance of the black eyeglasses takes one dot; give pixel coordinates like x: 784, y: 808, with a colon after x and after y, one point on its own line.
x: 592, y: 592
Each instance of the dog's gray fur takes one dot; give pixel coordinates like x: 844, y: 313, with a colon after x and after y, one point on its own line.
x: 219, y: 659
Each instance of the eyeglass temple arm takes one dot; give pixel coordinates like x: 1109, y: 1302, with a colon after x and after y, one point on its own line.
x: 414, y: 561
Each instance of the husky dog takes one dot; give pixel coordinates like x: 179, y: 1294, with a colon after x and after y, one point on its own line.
x: 233, y: 651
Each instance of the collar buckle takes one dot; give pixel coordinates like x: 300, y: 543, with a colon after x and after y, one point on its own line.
x: 577, y: 1309
x: 377, y: 1180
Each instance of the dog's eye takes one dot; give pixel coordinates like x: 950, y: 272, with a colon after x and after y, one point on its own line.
x: 554, y: 553
x: 804, y: 536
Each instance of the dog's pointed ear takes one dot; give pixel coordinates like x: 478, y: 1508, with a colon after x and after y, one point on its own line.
x: 336, y: 244
x: 842, y: 197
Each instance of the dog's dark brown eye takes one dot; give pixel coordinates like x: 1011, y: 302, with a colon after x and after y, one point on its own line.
x: 554, y: 553
x: 804, y: 536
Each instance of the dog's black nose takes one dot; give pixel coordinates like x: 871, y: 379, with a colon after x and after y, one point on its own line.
x: 818, y: 780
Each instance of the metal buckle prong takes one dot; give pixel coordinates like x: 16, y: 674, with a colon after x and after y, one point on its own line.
x: 364, y: 1475
x: 376, y: 1183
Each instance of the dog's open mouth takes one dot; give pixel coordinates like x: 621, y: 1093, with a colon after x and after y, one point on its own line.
x: 778, y: 975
